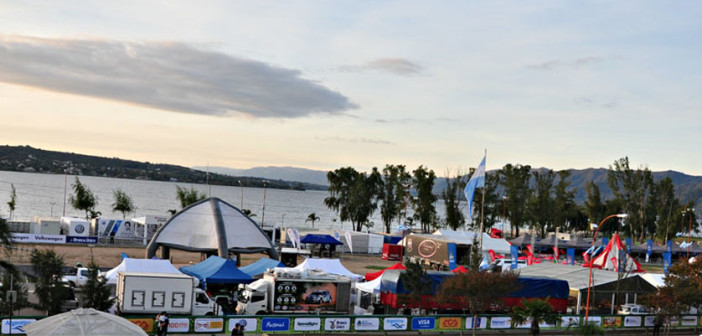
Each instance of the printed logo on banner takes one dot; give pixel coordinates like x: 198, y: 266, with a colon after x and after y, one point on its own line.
x: 250, y: 324
x: 449, y: 323
x: 632, y: 321
x: 178, y: 325
x: 481, y: 323
x: 17, y: 325
x: 145, y: 324
x: 500, y: 322
x: 650, y: 321
x: 688, y: 321
x: 571, y: 321
x: 38, y: 238
x: 596, y: 320
x: 367, y: 323
x: 209, y: 324
x: 395, y: 323
x: 611, y: 321
x: 337, y: 323
x: 307, y: 324
x: 81, y: 240
x: 275, y: 324
x: 423, y: 323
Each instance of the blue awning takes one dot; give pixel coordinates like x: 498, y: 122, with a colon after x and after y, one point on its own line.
x: 260, y: 266
x: 320, y: 239
x: 216, y: 270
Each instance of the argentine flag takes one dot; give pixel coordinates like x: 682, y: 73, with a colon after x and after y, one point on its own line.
x: 476, y: 181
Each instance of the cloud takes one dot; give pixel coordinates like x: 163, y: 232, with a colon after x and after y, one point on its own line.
x: 165, y: 75
x: 555, y: 64
x: 610, y: 103
x: 396, y: 66
x: 357, y: 140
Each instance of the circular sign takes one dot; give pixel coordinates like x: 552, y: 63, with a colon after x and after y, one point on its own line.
x: 427, y: 248
x: 80, y: 228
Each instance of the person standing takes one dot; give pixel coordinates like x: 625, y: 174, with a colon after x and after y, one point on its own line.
x: 162, y: 324
x: 237, y: 330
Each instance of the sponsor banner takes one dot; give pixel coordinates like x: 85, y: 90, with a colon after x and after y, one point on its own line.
x: 366, y: 323
x: 307, y: 324
x: 81, y: 240
x: 572, y: 321
x: 146, y: 324
x: 632, y: 321
x: 37, y: 238
x: 611, y: 321
x: 337, y: 324
x: 17, y: 326
x: 480, y: 322
x: 688, y: 321
x: 209, y: 324
x: 395, y: 323
x: 597, y: 320
x: 650, y: 321
x: 250, y: 324
x: 178, y: 325
x: 449, y: 323
x: 423, y: 323
x: 527, y: 325
x: 674, y: 321
x: 275, y: 324
x: 500, y: 322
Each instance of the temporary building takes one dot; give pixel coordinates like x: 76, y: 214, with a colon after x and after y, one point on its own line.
x: 499, y: 245
x: 373, y: 275
x: 331, y: 266
x: 361, y: 242
x: 216, y: 270
x: 83, y: 321
x: 609, y: 258
x: 522, y: 240
x: 260, y: 266
x: 211, y: 226
x: 141, y: 266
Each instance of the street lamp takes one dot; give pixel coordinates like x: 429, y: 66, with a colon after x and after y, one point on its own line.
x: 589, y: 278
x: 263, y: 213
x: 692, y: 212
x: 504, y: 215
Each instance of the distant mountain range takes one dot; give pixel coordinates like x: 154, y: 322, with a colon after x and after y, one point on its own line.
x: 275, y: 173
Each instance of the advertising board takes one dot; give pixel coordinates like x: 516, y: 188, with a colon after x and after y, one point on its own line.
x: 307, y: 324
x: 16, y: 327
x: 423, y: 323
x: 291, y: 296
x: 250, y: 324
x: 337, y: 324
x: 366, y: 323
x: 395, y: 323
x: 214, y: 325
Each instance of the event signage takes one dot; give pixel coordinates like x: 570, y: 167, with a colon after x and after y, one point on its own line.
x: 650, y: 321
x: 688, y: 321
x: 82, y: 240
x: 649, y: 249
x: 337, y: 324
x: 307, y: 324
x: 367, y: 323
x: 250, y: 324
x: 570, y: 256
x: 449, y: 323
x: 146, y: 324
x: 275, y: 324
x: 423, y: 323
x: 500, y: 322
x: 632, y: 321
x: 514, y: 255
x: 178, y: 325
x: 480, y: 323
x: 666, y: 261
x: 611, y: 321
x: 17, y: 326
x: 38, y: 238
x: 208, y: 325
x: 570, y: 321
x: 395, y: 323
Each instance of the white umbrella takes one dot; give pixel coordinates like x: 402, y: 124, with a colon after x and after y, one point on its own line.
x: 82, y: 321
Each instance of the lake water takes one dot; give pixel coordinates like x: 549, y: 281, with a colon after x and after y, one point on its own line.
x: 43, y: 195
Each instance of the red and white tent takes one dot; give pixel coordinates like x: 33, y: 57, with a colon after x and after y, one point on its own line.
x: 609, y: 258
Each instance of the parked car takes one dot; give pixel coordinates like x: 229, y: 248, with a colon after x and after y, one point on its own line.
x: 318, y: 297
x: 632, y: 309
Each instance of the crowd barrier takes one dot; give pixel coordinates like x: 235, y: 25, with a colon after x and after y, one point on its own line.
x: 366, y: 323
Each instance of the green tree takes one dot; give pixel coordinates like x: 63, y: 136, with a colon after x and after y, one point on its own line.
x: 123, y: 203
x: 13, y: 200
x: 312, y: 218
x: 18, y: 285
x: 632, y: 187
x: 6, y: 241
x: 515, y: 182
x: 188, y: 196
x: 540, y: 202
x: 49, y: 289
x: 493, y: 207
x: 392, y: 193
x: 83, y: 198
x: 423, y: 204
x: 594, y: 208
x: 536, y: 311
x: 451, y: 197
x: 416, y: 281
x: 564, y: 206
x: 353, y: 195
x: 477, y: 291
x: 96, y: 291
x: 665, y: 204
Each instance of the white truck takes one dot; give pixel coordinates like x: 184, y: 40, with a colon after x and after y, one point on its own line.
x: 152, y: 293
x: 77, y: 280
x: 289, y: 291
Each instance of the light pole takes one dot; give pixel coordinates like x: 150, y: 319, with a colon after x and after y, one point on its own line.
x: 283, y: 225
x: 263, y: 213
x: 504, y: 215
x: 52, y: 208
x: 589, y: 278
x: 691, y: 211
x: 242, y: 195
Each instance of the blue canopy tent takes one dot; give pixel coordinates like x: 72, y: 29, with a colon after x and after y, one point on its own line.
x: 217, y: 270
x: 322, y: 240
x: 260, y: 266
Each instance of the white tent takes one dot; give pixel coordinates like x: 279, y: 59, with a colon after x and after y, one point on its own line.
x: 499, y: 245
x: 372, y: 286
x: 361, y: 242
x: 331, y: 266
x: 141, y: 265
x: 80, y: 322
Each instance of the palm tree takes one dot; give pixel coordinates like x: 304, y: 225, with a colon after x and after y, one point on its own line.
x: 13, y: 200
x: 123, y: 203
x: 536, y: 311
x: 6, y: 241
x: 312, y: 218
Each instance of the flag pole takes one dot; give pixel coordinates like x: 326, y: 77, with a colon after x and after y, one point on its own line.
x: 482, y: 207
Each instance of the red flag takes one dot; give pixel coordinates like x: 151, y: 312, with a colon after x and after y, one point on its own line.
x: 492, y: 254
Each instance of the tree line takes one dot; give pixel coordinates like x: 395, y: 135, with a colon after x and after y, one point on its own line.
x: 541, y: 200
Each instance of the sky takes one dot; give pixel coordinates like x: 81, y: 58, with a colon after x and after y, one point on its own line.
x: 330, y: 84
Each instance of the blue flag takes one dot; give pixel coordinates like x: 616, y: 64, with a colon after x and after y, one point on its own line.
x: 476, y: 181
